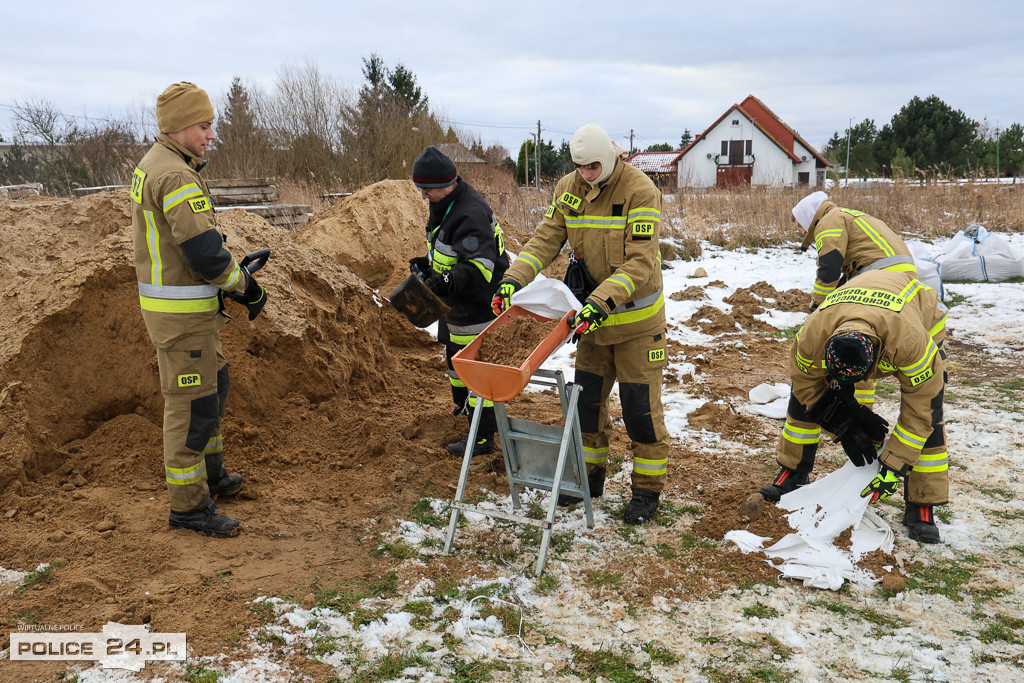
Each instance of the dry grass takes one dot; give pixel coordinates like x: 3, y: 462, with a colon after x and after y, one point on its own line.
x: 760, y: 217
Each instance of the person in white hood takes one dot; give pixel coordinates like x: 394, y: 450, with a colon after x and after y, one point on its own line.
x: 848, y: 241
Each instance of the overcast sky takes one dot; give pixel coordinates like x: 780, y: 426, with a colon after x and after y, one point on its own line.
x: 655, y: 68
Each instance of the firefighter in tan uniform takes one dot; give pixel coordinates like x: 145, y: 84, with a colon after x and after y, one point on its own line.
x: 881, y: 323
x: 184, y: 271
x: 848, y: 242
x: 610, y: 213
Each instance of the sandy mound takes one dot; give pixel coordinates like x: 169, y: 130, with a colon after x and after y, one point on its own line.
x: 374, y: 232
x: 761, y: 294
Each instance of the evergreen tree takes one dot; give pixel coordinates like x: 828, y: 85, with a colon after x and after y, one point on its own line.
x: 389, y: 125
x: 242, y: 148
x: 686, y: 139
x: 660, y: 147
x: 933, y: 135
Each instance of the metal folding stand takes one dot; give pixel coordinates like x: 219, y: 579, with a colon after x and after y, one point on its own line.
x: 537, y: 456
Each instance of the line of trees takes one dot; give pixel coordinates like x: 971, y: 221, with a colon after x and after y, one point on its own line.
x: 928, y: 138
x: 308, y: 128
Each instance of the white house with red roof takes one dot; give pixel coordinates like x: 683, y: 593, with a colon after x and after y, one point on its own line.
x: 750, y: 145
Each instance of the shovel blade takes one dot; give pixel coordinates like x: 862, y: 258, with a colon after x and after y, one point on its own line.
x: 417, y: 303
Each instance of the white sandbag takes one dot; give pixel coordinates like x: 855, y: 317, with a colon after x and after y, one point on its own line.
x: 820, y: 512
x: 927, y: 268
x: 547, y: 297
x: 977, y: 255
x: 981, y: 269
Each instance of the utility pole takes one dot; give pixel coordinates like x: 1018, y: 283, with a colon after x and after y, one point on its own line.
x: 849, y: 128
x: 997, y: 153
x: 536, y: 157
x: 630, y: 140
x: 526, y: 162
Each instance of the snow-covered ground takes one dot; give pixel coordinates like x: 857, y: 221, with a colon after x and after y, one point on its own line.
x: 961, y: 619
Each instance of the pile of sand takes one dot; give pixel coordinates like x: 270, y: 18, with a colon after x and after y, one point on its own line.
x: 374, y: 232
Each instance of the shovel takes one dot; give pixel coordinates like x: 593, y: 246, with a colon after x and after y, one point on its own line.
x: 417, y: 303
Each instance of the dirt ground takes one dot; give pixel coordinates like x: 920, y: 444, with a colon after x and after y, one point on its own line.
x: 338, y: 415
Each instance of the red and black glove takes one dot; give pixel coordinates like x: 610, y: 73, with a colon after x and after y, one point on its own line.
x: 503, y: 297
x: 590, y: 317
x: 882, y: 486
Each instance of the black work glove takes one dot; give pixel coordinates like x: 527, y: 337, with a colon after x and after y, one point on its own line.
x: 420, y: 266
x: 858, y: 446
x: 253, y: 298
x: 442, y: 284
x: 882, y: 486
x: 875, y: 426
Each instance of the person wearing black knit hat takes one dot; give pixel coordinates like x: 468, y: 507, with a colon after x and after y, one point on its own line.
x: 465, y: 261
x: 881, y: 323
x: 849, y: 357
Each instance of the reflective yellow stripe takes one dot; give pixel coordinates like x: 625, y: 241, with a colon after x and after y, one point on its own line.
x: 236, y: 273
x: 864, y: 395
x: 214, y: 445
x: 181, y: 194
x: 636, y: 315
x: 938, y: 327
x: 153, y: 244
x: 585, y: 221
x: 473, y: 401
x: 902, y: 268
x: 932, y: 462
x: 823, y: 289
x: 595, y: 456
x: 924, y: 363
x: 909, y: 438
x: 484, y: 270
x: 183, y: 476
x: 178, y: 305
x: 456, y: 382
x: 800, y: 435
x: 650, y: 468
x: 532, y: 261
x: 626, y: 282
x: 644, y: 213
x: 875, y: 237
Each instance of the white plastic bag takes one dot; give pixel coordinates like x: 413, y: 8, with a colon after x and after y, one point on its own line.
x: 546, y: 297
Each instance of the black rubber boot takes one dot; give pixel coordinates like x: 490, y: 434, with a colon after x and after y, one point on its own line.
x: 482, y: 447
x: 920, y: 521
x: 786, y: 481
x: 595, y: 480
x: 206, y: 519
x: 642, y: 507
x: 220, y: 482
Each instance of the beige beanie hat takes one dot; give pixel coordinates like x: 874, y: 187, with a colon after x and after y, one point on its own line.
x: 591, y: 143
x: 182, y: 105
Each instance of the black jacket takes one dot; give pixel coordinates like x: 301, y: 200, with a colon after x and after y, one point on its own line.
x: 467, y: 247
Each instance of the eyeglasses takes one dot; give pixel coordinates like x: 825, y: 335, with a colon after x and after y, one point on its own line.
x: 592, y: 166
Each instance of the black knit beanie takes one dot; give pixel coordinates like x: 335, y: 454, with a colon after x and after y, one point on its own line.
x: 433, y: 169
x: 849, y: 357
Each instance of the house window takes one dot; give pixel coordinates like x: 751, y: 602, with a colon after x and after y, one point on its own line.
x: 804, y: 177
x: 725, y: 148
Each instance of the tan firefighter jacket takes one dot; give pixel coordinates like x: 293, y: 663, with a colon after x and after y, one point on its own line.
x: 180, y: 259
x: 614, y: 228
x: 848, y: 241
x: 908, y: 321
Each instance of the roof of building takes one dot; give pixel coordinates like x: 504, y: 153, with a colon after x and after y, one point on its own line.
x: 458, y: 153
x: 654, y: 162
x: 768, y: 123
